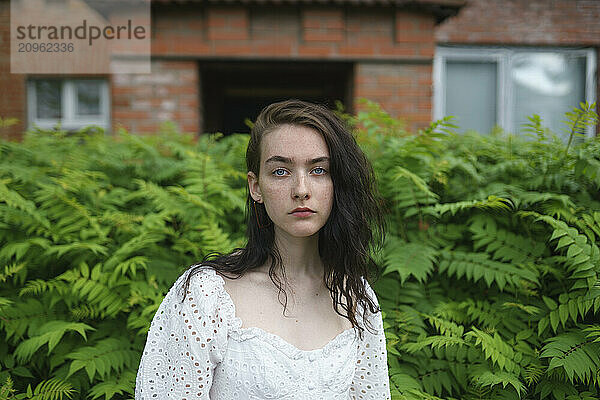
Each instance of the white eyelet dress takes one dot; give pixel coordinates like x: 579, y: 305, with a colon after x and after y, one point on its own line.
x: 198, y: 350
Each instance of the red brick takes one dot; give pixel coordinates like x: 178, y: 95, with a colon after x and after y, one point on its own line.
x: 356, y: 51
x: 533, y: 22
x: 315, y: 50
x: 323, y: 36
x: 273, y: 49
x: 232, y: 50
x: 398, y: 51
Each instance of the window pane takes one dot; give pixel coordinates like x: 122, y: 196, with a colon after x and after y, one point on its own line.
x: 88, y: 98
x: 48, y: 99
x: 547, y: 84
x: 471, y: 94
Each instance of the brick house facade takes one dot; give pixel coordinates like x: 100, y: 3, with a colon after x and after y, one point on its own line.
x: 216, y: 62
x: 210, y: 59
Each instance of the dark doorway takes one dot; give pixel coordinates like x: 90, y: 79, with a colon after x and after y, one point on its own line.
x: 235, y: 91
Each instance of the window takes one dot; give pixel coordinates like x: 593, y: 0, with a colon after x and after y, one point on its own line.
x: 484, y: 87
x: 74, y: 103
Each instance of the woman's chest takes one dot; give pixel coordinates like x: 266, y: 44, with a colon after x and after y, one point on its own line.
x: 258, y: 365
x: 308, y: 322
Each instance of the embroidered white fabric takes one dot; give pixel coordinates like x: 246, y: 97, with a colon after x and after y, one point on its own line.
x: 198, y: 350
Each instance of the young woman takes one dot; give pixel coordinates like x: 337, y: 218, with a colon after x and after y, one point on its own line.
x: 313, y: 218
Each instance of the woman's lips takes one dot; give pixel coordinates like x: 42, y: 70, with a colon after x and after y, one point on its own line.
x: 302, y: 213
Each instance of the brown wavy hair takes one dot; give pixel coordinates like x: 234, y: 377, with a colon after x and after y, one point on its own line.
x: 355, y: 227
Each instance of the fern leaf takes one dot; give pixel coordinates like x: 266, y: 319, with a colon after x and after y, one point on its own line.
x: 475, y: 266
x: 53, y: 389
x: 485, y: 377
x: 491, y: 203
x: 123, y: 383
x: 408, y: 259
x: 50, y: 333
x: 496, y: 349
x: 12, y: 270
x: 106, y: 355
x: 572, y: 352
x: 22, y: 316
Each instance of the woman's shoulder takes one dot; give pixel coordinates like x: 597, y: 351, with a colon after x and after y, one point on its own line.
x: 203, y: 295
x: 198, y: 279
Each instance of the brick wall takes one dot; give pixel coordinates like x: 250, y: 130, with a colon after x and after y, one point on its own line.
x: 524, y: 22
x: 140, y: 103
x: 12, y: 96
x: 391, y: 47
x: 386, y: 45
x: 286, y: 32
x: 403, y: 89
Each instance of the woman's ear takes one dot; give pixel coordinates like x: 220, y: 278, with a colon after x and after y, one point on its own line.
x: 254, y: 187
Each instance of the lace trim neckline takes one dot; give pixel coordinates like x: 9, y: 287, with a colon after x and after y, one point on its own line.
x: 241, y: 334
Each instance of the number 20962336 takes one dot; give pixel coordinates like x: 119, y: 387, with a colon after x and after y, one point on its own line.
x: 26, y: 47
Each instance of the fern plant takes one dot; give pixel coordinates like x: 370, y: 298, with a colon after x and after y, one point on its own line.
x: 93, y: 232
x: 490, y: 289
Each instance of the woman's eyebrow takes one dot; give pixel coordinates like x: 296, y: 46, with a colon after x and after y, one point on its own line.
x: 287, y: 160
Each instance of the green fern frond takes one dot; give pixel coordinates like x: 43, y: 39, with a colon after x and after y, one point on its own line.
x: 436, y: 378
x: 7, y: 390
x: 483, y: 377
x: 444, y: 327
x: 495, y: 349
x: 14, y: 270
x: 579, y: 119
x: 573, y: 353
x: 532, y: 373
x: 19, y: 250
x: 15, y: 200
x: 51, y: 334
x: 481, y: 312
x: 93, y: 288
x: 102, y: 358
x: 594, y: 332
x: 22, y: 316
x: 51, y: 389
x: 415, y: 394
x: 408, y: 259
x: 39, y: 286
x: 60, y: 250
x: 120, y: 384
x: 435, y: 342
x: 573, y: 305
x: 475, y: 266
x: 535, y: 128
x: 491, y: 203
x: 212, y: 236
x: 503, y: 244
x: 398, y: 173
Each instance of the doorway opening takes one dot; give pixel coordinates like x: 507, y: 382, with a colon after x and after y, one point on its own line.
x: 234, y: 92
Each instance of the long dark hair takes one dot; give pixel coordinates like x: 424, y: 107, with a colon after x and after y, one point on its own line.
x: 355, y: 226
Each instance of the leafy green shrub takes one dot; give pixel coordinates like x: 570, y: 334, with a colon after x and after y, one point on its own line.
x: 93, y: 232
x: 491, y: 283
x: 491, y: 286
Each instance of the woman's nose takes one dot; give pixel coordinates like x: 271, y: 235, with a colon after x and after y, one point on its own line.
x: 300, y: 189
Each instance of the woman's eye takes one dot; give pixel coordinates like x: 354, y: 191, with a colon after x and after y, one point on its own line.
x: 318, y: 170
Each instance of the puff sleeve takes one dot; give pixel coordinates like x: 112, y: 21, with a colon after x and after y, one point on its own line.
x: 371, y: 379
x: 185, y: 343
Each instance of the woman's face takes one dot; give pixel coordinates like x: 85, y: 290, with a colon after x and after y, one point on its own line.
x: 294, y: 172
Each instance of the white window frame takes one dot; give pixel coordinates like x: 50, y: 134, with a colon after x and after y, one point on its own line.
x: 69, y: 120
x: 504, y: 57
